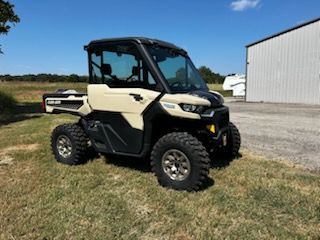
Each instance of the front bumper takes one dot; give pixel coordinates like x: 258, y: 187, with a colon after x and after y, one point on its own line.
x: 219, y: 118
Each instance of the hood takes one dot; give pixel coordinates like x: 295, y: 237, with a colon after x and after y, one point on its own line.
x: 214, y: 98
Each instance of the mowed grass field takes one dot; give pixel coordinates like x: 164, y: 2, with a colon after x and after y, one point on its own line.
x: 247, y: 198
x: 32, y: 91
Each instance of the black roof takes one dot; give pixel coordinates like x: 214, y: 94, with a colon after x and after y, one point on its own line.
x: 139, y: 40
x: 285, y: 31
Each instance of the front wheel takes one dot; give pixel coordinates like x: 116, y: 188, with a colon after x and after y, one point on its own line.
x: 180, y: 161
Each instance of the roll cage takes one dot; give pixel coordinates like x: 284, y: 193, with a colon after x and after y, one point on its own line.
x: 146, y: 61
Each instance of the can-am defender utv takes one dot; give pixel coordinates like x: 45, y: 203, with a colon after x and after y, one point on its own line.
x: 145, y: 98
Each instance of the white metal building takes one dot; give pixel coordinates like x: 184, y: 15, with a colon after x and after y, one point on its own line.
x: 285, y: 67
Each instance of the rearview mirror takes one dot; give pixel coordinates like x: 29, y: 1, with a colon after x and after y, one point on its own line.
x: 160, y: 58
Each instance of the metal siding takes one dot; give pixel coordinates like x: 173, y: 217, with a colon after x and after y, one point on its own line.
x: 286, y: 68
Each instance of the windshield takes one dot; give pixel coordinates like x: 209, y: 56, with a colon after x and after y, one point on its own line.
x: 180, y: 73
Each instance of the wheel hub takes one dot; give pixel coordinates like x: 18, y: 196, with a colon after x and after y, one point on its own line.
x: 64, y: 146
x: 176, y: 165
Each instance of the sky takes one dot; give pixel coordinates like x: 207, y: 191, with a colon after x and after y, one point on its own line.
x: 51, y: 34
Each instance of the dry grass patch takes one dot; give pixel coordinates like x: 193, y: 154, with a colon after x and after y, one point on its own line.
x: 19, y: 147
x: 5, y: 153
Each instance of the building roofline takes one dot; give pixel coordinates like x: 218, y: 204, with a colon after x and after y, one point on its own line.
x: 285, y: 31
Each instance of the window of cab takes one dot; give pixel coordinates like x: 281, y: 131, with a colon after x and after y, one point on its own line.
x: 121, y: 66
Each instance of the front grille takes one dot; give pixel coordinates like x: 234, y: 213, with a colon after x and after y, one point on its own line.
x: 218, y: 116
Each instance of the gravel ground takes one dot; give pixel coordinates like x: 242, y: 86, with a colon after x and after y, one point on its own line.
x: 279, y: 131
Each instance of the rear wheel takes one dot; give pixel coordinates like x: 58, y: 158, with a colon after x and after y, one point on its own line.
x: 180, y: 161
x: 69, y: 144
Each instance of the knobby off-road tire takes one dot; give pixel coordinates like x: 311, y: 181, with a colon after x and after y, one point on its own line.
x: 69, y: 144
x: 187, y: 151
x: 233, y: 143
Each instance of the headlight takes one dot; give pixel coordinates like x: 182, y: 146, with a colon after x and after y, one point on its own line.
x: 188, y: 107
x: 191, y: 108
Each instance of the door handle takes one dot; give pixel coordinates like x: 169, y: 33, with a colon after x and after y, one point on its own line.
x: 137, y: 97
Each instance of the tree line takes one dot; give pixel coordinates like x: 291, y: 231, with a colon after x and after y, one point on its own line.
x: 43, y: 77
x: 209, y: 76
x: 206, y: 73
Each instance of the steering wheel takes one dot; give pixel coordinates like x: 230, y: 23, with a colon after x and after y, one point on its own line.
x: 130, y: 78
x: 176, y: 84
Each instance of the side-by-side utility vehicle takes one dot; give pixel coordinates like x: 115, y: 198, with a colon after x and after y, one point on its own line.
x: 145, y: 98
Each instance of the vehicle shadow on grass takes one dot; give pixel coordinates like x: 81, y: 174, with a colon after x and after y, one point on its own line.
x: 220, y: 162
x: 20, y: 112
x: 28, y: 108
x: 138, y: 164
x: 143, y: 165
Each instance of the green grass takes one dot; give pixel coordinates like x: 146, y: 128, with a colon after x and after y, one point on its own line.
x: 250, y: 198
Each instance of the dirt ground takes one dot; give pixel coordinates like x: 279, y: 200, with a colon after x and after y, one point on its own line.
x: 288, y: 131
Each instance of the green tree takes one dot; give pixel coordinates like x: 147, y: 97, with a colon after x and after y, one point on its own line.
x: 7, y: 17
x: 74, y: 78
x: 209, y: 76
x: 206, y: 73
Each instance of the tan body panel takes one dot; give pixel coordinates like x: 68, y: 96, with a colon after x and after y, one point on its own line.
x: 170, y: 102
x: 103, y: 98
x: 84, y: 110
